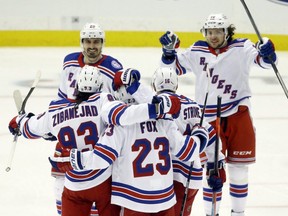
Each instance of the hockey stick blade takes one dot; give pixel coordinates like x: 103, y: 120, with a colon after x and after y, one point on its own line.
x: 261, y: 41
x: 21, y: 110
x: 17, y: 99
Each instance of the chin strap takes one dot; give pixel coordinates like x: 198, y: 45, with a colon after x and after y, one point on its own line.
x: 224, y: 42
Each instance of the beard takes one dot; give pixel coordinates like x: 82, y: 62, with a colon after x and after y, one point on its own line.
x: 92, y: 55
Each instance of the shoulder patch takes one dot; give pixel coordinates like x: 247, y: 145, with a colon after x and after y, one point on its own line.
x: 115, y: 64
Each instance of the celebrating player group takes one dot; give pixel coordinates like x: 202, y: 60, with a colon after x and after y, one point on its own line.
x: 124, y: 148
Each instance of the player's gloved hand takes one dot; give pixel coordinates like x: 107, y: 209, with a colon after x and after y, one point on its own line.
x: 49, y: 137
x: 170, y: 42
x: 266, y: 50
x: 202, y: 134
x: 129, y: 77
x: 62, y: 161
x: 167, y: 104
x: 15, y: 122
x: 216, y: 180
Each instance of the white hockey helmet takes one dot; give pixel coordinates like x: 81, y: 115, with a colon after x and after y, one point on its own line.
x: 216, y: 21
x: 89, y: 80
x: 165, y: 78
x: 92, y: 30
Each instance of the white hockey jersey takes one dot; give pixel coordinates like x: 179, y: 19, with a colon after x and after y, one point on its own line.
x: 142, y: 178
x: 72, y: 65
x: 80, y: 126
x: 228, y: 69
x: 190, y: 114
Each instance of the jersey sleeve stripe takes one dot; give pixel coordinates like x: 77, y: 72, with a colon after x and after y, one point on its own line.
x: 179, y: 69
x: 116, y: 113
x: 105, y: 152
x: 184, y: 169
x: 212, y: 135
x: 187, y: 150
x: 27, y: 133
x: 61, y: 94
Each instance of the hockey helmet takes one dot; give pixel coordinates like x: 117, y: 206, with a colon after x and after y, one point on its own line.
x: 165, y: 78
x: 216, y: 21
x: 89, y: 80
x: 92, y: 30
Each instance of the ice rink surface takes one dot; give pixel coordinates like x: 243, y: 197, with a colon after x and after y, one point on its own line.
x: 27, y: 190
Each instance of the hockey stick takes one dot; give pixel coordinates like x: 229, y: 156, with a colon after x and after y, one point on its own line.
x: 192, y: 163
x: 21, y: 110
x: 261, y: 41
x: 216, y: 153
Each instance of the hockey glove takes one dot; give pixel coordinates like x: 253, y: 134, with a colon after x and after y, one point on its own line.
x: 167, y: 104
x: 49, y: 137
x: 170, y: 42
x: 130, y: 78
x: 62, y: 162
x: 202, y: 134
x: 216, y: 180
x: 266, y: 50
x: 15, y: 123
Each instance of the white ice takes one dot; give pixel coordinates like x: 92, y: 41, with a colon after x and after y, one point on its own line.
x: 27, y: 190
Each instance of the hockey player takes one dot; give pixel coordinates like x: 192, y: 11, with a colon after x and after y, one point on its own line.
x: 92, y: 40
x: 142, y: 174
x: 78, y: 125
x: 229, y: 63
x: 165, y: 80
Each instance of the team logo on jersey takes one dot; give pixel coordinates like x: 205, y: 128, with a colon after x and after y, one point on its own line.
x: 283, y: 2
x: 116, y: 65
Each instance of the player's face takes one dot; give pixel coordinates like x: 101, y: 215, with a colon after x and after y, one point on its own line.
x: 215, y: 37
x: 92, y: 48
